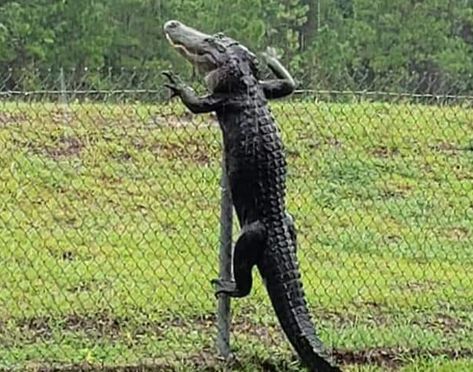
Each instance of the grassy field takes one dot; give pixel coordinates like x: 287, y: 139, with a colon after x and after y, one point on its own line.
x: 109, y: 237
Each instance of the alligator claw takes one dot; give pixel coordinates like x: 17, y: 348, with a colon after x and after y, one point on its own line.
x: 169, y: 75
x: 272, y: 52
x: 270, y: 55
x: 227, y: 287
x: 174, y: 83
x: 173, y: 88
x: 172, y: 76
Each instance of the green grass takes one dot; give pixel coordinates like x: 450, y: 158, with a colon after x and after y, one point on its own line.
x: 109, y: 236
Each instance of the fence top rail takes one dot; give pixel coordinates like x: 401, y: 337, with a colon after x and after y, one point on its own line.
x: 145, y: 80
x: 311, y: 92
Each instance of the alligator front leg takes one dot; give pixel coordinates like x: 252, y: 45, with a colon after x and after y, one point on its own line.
x: 281, y: 87
x: 247, y: 250
x: 193, y: 102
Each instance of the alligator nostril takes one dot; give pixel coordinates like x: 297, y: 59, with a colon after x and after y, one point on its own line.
x: 172, y: 24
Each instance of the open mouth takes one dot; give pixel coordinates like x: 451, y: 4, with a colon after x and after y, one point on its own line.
x: 169, y: 39
x: 179, y: 46
x: 204, y: 59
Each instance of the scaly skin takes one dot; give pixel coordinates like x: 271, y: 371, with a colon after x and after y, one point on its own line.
x: 256, y: 167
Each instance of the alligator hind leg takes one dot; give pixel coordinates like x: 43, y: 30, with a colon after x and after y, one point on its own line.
x: 247, y: 250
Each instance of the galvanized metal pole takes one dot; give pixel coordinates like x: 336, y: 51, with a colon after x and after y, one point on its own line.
x: 63, y: 95
x: 226, y: 220
x: 62, y: 82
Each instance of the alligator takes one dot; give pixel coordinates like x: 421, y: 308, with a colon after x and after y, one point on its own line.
x: 256, y: 169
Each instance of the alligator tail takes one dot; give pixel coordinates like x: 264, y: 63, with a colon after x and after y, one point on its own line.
x: 284, y: 286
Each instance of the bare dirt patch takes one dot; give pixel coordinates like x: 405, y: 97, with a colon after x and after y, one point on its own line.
x: 425, y: 285
x: 109, y: 325
x: 333, y: 142
x: 11, y: 118
x: 186, y: 119
x: 392, y: 239
x: 100, y: 325
x: 458, y: 233
x: 393, y: 194
x: 62, y: 116
x: 105, y: 325
x: 446, y: 323
x: 318, y: 143
x: 56, y: 149
x: 447, y: 147
x: 394, y: 358
x: 66, y: 146
x: 206, y: 360
x: 385, y: 152
x: 188, y: 150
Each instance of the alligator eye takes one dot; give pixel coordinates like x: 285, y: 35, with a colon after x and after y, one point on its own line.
x: 220, y: 48
x: 216, y: 44
x: 219, y: 35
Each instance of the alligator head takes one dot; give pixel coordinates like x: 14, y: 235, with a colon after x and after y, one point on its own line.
x: 228, y: 66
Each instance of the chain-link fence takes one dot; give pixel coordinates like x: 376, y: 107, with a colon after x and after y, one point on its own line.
x: 109, y: 227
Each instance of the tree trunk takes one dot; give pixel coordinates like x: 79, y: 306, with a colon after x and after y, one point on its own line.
x: 308, y: 30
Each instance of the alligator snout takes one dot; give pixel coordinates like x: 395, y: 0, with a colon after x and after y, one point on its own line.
x: 171, y: 25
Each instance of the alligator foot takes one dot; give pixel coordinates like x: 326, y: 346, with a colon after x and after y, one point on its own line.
x: 227, y: 287
x: 175, y: 83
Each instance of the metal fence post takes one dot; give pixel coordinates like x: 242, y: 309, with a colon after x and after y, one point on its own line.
x: 63, y: 95
x: 62, y: 82
x: 225, y: 259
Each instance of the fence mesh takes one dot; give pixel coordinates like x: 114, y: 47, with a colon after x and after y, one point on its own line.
x: 109, y: 226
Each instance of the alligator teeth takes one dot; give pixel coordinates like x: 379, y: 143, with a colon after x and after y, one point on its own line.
x: 169, y: 39
x: 178, y: 46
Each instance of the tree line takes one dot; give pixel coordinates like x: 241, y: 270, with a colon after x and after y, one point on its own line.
x: 424, y: 46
